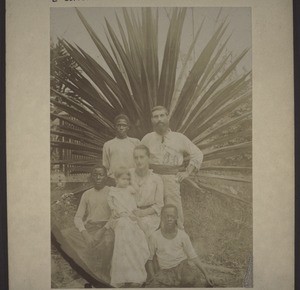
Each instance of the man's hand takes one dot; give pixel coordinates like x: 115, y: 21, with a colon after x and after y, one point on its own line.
x: 88, y: 239
x: 182, y: 175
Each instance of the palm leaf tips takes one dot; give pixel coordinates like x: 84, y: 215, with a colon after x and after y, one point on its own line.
x: 207, y: 98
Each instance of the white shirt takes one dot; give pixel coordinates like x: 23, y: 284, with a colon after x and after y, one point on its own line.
x: 171, y: 252
x: 119, y: 152
x: 94, y: 205
x: 171, y: 148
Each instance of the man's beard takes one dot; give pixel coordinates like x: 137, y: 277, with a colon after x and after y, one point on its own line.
x: 161, y: 127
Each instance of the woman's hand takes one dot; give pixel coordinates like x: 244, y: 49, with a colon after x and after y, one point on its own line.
x: 88, y: 238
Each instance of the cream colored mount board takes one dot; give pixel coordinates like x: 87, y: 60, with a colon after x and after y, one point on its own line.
x: 29, y: 27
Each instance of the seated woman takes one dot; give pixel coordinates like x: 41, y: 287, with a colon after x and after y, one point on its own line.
x: 131, y: 248
x: 149, y: 190
x: 83, y: 240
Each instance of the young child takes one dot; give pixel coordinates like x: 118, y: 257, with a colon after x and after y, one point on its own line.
x: 119, y: 151
x: 173, y: 249
x: 131, y: 250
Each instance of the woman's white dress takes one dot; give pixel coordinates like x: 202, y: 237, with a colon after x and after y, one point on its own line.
x: 131, y: 250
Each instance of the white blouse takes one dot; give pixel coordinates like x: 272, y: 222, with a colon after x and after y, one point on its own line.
x: 149, y: 190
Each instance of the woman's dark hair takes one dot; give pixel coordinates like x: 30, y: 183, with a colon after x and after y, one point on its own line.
x: 142, y: 147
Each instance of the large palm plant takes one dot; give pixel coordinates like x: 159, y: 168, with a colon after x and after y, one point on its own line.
x: 209, y: 103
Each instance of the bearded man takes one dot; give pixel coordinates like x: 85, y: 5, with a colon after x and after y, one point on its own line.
x: 167, y: 152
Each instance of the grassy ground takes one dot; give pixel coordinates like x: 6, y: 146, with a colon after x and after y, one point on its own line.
x: 220, y: 229
x: 62, y: 275
x: 221, y: 232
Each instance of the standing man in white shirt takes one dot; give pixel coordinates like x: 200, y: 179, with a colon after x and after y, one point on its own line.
x: 167, y: 152
x: 118, y: 152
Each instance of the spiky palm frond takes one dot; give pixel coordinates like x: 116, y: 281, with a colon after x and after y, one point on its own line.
x: 208, y: 105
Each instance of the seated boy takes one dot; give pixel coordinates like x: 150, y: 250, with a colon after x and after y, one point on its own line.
x: 172, y: 248
x: 87, y: 239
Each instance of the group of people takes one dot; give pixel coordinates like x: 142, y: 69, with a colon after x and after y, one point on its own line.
x: 130, y: 226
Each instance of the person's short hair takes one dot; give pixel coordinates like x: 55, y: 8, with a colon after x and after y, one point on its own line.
x: 142, y: 147
x: 99, y: 166
x: 120, y: 171
x: 122, y: 117
x: 159, y: 108
x: 166, y: 206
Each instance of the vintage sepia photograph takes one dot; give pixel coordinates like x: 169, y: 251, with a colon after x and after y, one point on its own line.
x: 151, y: 147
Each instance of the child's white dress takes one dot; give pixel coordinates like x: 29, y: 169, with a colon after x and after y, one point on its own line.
x: 131, y: 250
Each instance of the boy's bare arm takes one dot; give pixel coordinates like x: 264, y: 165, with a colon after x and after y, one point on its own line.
x: 201, y: 268
x: 81, y: 211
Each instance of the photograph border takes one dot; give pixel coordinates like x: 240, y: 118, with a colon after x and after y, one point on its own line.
x: 278, y: 274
